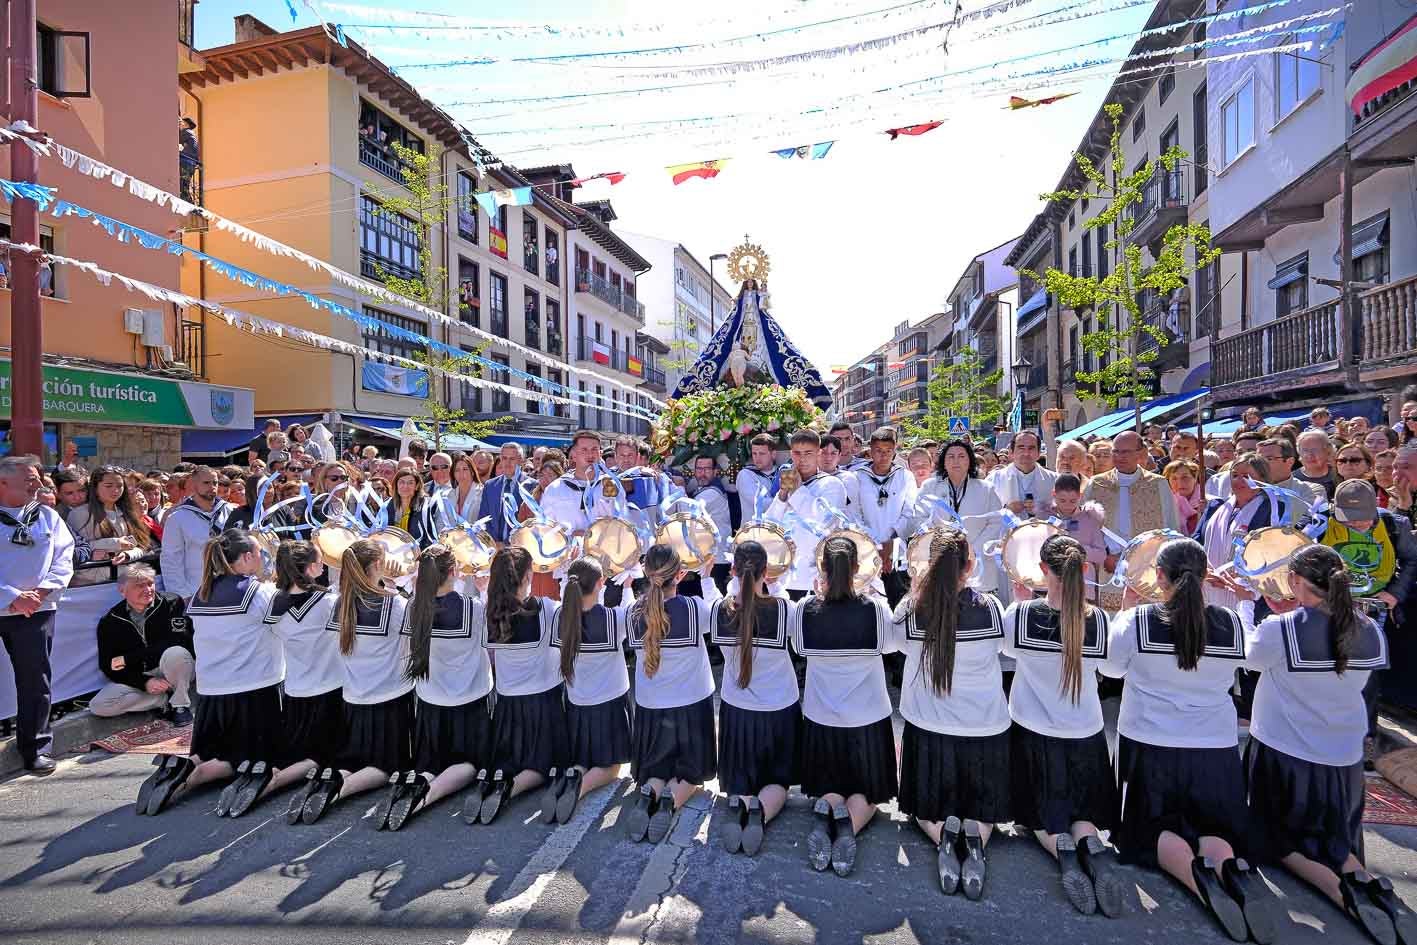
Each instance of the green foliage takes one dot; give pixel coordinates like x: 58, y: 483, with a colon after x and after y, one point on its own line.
x: 1122, y: 327
x: 958, y: 389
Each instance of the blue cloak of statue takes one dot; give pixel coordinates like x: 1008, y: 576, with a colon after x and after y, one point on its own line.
x: 750, y: 347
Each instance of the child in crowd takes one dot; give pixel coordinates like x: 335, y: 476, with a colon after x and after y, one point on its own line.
x: 1082, y: 523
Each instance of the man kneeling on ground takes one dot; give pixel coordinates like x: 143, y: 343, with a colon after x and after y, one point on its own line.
x: 145, y: 650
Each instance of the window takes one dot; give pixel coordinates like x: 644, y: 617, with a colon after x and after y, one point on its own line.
x: 531, y: 246
x: 497, y: 303
x: 1207, y: 299
x: 379, y: 338
x: 1086, y: 255
x: 534, y: 383
x: 555, y: 377
x: 501, y: 400
x: 615, y: 411
x: 388, y: 242
x: 469, y: 289
x: 1170, y: 180
x: 584, y: 420
x: 1139, y: 125
x: 49, y: 281
x: 599, y: 408
x: 467, y: 207
x: 1372, y: 259
x: 1296, y: 77
x: 553, y: 327
x: 378, y: 134
x: 582, y: 270
x: 553, y: 257
x: 1200, y: 153
x: 63, y: 66
x: 1291, y: 285
x: 597, y: 268
x: 1073, y: 261
x: 1072, y: 219
x: 1237, y: 122
x: 471, y: 396
x: 531, y: 302
x: 1074, y: 359
x: 1101, y: 240
x: 1167, y: 85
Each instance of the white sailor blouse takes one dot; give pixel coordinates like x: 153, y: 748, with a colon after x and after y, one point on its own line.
x: 312, y: 661
x: 684, y: 677
x: 807, y: 513
x: 1033, y: 637
x: 975, y: 705
x: 374, y: 670
x: 774, y: 682
x: 459, y: 671
x: 236, y: 650
x: 843, y: 643
x: 525, y: 664
x: 600, y: 663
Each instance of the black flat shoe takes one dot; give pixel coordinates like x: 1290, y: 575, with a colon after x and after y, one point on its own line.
x: 381, y: 811
x: 637, y: 820
x: 1404, y: 922
x: 555, y: 784
x: 844, y: 846
x: 1226, y: 910
x: 415, y: 789
x: 472, y: 806
x: 1361, y: 908
x: 819, y: 841
x: 733, y: 823
x: 178, y: 769
x: 753, y: 827
x: 947, y: 865
x: 1100, y: 864
x: 323, y: 796
x: 497, y: 793
x: 1258, y: 904
x: 251, y: 787
x: 662, y: 818
x: 297, y: 803
x: 1076, y: 886
x: 228, y: 793
x: 973, y: 866
x: 570, y: 796
x: 145, y: 790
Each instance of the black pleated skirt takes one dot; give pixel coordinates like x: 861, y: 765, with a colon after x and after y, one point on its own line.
x: 756, y: 749
x: 1191, y: 792
x: 530, y: 732
x: 379, y: 735
x: 314, y: 728
x: 943, y: 775
x: 1059, y: 781
x: 600, y: 733
x: 675, y: 743
x: 847, y: 761
x: 239, y: 726
x: 1303, y: 807
x: 445, y: 735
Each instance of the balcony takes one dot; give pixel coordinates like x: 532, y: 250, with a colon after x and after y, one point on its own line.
x: 1176, y: 353
x: 1388, y: 315
x: 866, y: 390
x: 376, y: 267
x: 381, y: 160
x: 1385, y: 126
x: 612, y: 295
x: 610, y: 357
x: 1164, y: 204
x: 192, y: 347
x: 1298, y: 349
x: 189, y: 175
x: 654, y: 380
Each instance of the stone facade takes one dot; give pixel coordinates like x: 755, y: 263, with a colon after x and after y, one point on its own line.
x: 140, y: 448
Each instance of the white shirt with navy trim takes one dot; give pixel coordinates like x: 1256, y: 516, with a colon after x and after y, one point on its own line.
x: 773, y: 685
x: 1163, y: 704
x: 975, y: 705
x: 526, y: 664
x: 1032, y: 637
x: 237, y: 651
x: 684, y: 676
x: 459, y: 671
x: 601, y: 674
x: 843, y: 643
x: 312, y: 662
x: 374, y: 671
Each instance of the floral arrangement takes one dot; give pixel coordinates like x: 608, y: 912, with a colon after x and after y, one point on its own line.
x: 720, y: 422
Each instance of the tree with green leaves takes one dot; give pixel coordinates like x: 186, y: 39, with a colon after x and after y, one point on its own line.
x: 1120, y: 342
x: 429, y: 198
x: 959, y: 388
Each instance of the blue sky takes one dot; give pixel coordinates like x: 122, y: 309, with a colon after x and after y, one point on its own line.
x: 875, y: 234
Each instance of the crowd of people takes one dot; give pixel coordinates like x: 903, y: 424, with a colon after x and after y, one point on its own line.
x: 334, y: 679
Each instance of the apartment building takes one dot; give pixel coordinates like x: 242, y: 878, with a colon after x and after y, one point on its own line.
x: 685, y: 302
x: 859, y: 394
x: 125, y: 377
x: 1307, y: 144
x: 984, y: 304
x: 916, y: 352
x: 1037, y: 327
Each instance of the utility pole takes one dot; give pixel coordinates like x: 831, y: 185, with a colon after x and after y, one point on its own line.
x: 27, y: 330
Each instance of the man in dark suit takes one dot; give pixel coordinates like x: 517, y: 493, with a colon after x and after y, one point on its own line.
x: 509, y: 475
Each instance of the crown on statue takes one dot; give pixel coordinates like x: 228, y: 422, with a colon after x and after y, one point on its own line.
x: 748, y: 261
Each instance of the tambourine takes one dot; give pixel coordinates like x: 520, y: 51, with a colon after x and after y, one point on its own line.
x: 692, y: 538
x: 332, y: 540
x: 1138, y: 563
x: 1022, y: 552
x: 268, y: 541
x: 868, y: 556
x: 400, y: 551
x: 472, y: 547
x: 614, y: 543
x: 1265, y: 554
x: 917, y: 555
x: 774, y: 539
x: 548, y: 543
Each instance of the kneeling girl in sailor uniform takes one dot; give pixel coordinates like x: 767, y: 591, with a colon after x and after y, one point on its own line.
x: 1063, y: 786
x: 759, y: 716
x: 1183, y: 784
x: 529, y: 724
x: 239, y: 669
x: 314, y: 703
x: 673, y: 747
x: 954, y: 769
x: 589, y: 638
x: 378, y: 699
x: 848, y: 750
x: 452, y: 676
x: 1304, y: 763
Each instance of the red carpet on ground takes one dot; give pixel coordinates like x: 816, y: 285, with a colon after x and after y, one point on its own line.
x: 154, y: 737
x: 1385, y: 803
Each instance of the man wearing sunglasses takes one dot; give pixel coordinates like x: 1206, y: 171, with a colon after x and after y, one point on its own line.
x: 440, y: 474
x: 876, y: 494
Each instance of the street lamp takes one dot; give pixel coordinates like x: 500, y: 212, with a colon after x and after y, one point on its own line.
x: 1021, y: 370
x: 713, y: 293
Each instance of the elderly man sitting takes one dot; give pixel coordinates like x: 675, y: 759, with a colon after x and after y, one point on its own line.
x: 145, y: 650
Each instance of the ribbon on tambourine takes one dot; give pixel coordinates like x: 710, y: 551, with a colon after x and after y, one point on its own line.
x: 1292, y: 502
x: 677, y: 496
x: 538, y: 514
x: 262, y: 513
x: 454, y: 517
x: 620, y: 504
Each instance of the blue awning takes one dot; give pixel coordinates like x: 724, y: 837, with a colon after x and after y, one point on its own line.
x: 1036, y: 306
x: 1290, y: 272
x: 528, y: 439
x: 1092, y: 426
x: 1230, y: 425
x: 1114, y: 423
x: 383, y: 426
x: 226, y: 442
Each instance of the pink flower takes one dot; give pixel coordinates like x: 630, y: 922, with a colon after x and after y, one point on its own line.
x: 725, y: 434
x: 745, y: 429
x: 679, y: 429
x: 773, y: 426
x: 694, y: 437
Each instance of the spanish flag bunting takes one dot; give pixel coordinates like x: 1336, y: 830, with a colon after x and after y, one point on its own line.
x: 1015, y: 102
x: 704, y: 169
x: 613, y: 176
x: 914, y: 130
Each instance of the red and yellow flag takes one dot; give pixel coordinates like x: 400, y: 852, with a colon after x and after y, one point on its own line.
x: 704, y: 169
x: 1015, y: 102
